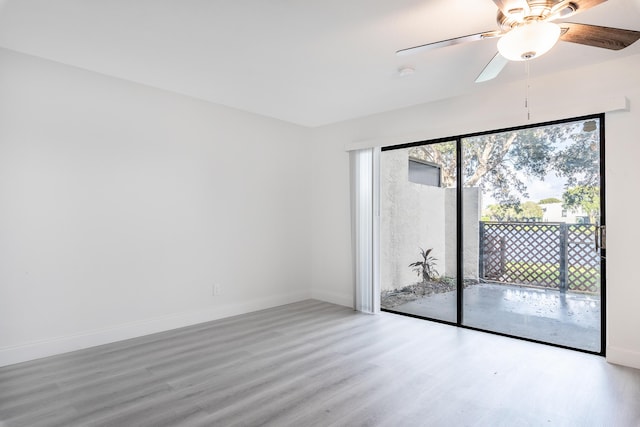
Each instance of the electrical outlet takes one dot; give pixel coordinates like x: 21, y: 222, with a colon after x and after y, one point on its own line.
x: 216, y: 290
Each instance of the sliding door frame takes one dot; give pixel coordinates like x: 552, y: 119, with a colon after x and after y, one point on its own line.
x: 460, y: 229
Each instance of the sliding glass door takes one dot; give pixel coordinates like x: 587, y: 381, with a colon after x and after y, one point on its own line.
x: 538, y: 261
x: 513, y: 245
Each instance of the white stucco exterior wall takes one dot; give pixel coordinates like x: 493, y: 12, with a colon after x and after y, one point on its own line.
x: 415, y: 216
x: 412, y: 216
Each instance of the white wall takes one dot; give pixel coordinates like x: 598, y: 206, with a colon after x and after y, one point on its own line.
x: 121, y: 206
x: 564, y: 95
x: 553, y: 212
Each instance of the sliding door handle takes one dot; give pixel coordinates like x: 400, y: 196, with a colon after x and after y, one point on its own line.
x: 600, y: 237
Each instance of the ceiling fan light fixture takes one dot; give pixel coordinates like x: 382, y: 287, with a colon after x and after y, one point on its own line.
x: 529, y: 40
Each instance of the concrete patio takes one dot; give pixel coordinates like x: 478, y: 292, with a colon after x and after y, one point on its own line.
x: 569, y: 319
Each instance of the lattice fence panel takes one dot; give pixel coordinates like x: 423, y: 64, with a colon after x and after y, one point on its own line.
x: 582, y: 258
x: 524, y: 253
x: 549, y: 255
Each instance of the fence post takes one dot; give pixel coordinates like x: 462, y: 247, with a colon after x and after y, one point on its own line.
x: 564, y: 268
x: 481, y: 254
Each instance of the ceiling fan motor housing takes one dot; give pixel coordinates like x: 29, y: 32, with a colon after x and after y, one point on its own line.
x: 537, y: 10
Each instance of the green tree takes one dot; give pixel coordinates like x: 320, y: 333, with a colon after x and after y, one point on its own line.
x: 501, y: 212
x: 586, y: 197
x: 549, y: 200
x: 514, y: 212
x: 497, y: 162
x: 531, y: 210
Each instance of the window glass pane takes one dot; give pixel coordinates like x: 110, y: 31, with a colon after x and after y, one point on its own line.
x: 535, y: 272
x: 418, y: 231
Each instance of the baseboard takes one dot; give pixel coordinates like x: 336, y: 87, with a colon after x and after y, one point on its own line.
x: 333, y: 297
x: 35, y: 350
x: 621, y: 356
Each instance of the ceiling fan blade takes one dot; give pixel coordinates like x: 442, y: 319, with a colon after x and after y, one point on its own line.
x: 449, y: 42
x: 512, y: 7
x: 594, y: 35
x: 567, y: 8
x: 492, y: 69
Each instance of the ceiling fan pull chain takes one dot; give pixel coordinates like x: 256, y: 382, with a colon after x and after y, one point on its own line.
x: 526, y: 97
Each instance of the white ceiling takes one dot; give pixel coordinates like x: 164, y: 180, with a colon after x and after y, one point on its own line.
x: 302, y: 61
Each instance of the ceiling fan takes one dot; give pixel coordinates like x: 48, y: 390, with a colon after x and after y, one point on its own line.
x: 527, y: 31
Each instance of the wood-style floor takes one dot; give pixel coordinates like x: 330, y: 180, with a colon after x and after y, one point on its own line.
x: 318, y: 364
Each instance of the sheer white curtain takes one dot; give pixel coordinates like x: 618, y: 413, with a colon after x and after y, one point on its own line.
x: 365, y: 225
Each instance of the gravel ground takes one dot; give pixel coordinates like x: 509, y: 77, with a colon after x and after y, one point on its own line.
x: 396, y: 297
